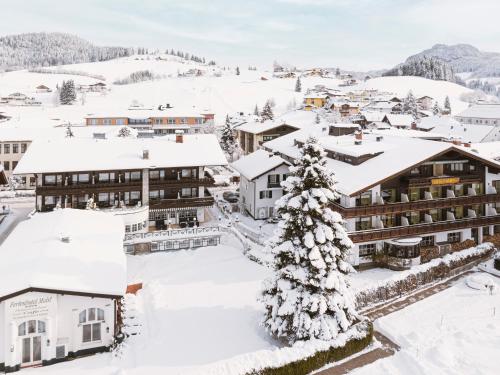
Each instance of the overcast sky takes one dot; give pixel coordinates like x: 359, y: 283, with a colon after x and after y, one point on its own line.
x: 359, y: 34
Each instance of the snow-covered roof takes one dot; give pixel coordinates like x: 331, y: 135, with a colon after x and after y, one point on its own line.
x: 316, y: 96
x: 86, y: 154
x: 395, y: 132
x: 34, y: 255
x: 383, y: 105
x: 146, y: 113
x: 257, y: 163
x: 296, y: 119
x: 490, y: 150
x: 452, y: 129
x: 399, y: 120
x: 488, y: 111
x: 372, y: 116
x: 395, y: 154
x: 258, y: 127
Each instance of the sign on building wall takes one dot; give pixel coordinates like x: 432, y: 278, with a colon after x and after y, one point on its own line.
x: 31, y: 306
x: 445, y: 181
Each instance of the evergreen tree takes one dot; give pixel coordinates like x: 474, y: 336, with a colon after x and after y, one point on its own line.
x: 447, y: 105
x: 69, y: 132
x: 67, y: 94
x: 308, y: 296
x: 256, y: 110
x: 317, y: 119
x: 410, y: 105
x: 337, y: 72
x: 298, y: 85
x: 435, y: 109
x: 237, y: 70
x: 267, y: 112
x: 124, y: 132
x: 228, y: 141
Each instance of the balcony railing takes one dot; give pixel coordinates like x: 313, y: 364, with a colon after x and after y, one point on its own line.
x: 420, y: 205
x: 73, y: 188
x: 422, y: 229
x: 427, y: 181
x: 206, y: 201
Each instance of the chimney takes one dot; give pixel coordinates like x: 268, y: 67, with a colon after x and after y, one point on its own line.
x: 145, y: 154
x: 179, y: 136
x: 358, y: 135
x: 456, y: 142
x: 414, y: 125
x: 467, y: 144
x: 379, y: 138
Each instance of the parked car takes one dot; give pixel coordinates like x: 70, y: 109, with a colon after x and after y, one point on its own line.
x: 230, y: 196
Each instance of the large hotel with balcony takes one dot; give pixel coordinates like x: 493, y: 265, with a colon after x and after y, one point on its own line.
x: 165, y: 121
x: 151, y: 183
x: 407, y: 200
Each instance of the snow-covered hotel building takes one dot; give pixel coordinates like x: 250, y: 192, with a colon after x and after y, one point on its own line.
x: 63, y: 275
x: 161, y: 122
x: 482, y: 114
x: 404, y: 199
x: 148, y: 182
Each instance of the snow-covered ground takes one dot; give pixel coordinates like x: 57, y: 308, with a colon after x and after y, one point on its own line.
x: 437, y: 90
x: 456, y: 331
x: 197, y: 308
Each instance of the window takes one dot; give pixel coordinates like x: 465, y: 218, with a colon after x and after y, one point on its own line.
x: 188, y: 173
x: 454, y: 237
x: 106, y: 177
x: 49, y: 179
x: 15, y: 148
x: 456, y: 167
x: 92, y: 331
x: 154, y: 194
x: 6, y: 165
x: 415, y: 171
x: 6, y: 148
x: 14, y: 165
x: 263, y: 194
x: 184, y: 120
x: 157, y: 121
x: 156, y: 175
x: 31, y: 326
x: 81, y: 178
x: 127, y: 228
x: 188, y: 192
x: 414, y: 194
x: 363, y: 223
x: 107, y: 121
x: 427, y: 241
x: 273, y: 180
x: 21, y: 329
x: 119, y: 121
x: 103, y: 197
x: 23, y: 147
x: 367, y: 249
x: 171, y: 121
x: 135, y: 176
x: 49, y: 200
x: 364, y: 199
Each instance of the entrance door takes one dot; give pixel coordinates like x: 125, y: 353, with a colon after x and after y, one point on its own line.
x: 32, y: 350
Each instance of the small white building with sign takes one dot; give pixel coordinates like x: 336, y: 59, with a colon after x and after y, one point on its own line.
x: 63, y: 274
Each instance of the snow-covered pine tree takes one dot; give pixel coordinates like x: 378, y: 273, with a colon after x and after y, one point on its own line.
x: 69, y: 132
x: 267, y: 112
x: 447, y: 105
x: 67, y: 93
x: 256, y: 111
x: 237, y: 70
x: 227, y: 139
x: 435, y: 109
x: 124, y: 132
x: 317, y: 120
x: 410, y: 105
x: 308, y: 296
x: 298, y: 85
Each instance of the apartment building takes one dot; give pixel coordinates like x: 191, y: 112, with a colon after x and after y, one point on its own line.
x: 154, y: 182
x: 13, y: 146
x: 406, y: 200
x: 161, y: 121
x: 483, y: 114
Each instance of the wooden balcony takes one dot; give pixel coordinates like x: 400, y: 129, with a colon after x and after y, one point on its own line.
x: 206, y: 201
x: 86, y: 188
x: 429, y: 181
x: 422, y: 229
x: 420, y: 205
x: 182, y: 182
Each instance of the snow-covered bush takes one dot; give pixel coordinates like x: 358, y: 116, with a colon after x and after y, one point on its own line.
x: 67, y: 71
x: 308, y: 296
x: 138, y: 76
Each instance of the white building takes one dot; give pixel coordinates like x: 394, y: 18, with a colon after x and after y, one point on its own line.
x: 63, y: 274
x: 462, y: 131
x: 395, y: 188
x: 261, y: 174
x: 484, y: 114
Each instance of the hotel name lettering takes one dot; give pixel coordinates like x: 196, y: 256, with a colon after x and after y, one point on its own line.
x: 31, y: 308
x: 445, y: 181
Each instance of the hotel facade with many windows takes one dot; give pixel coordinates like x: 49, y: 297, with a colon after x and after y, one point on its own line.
x: 407, y: 200
x: 149, y: 182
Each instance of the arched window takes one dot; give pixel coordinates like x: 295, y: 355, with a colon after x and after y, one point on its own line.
x: 91, y: 320
x: 31, y: 327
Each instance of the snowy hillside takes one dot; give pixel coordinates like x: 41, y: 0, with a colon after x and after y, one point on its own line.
x: 216, y: 90
x: 464, y: 58
x: 438, y: 90
x: 45, y: 49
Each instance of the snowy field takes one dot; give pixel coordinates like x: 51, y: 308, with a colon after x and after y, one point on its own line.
x: 456, y: 331
x: 208, y: 93
x: 197, y: 309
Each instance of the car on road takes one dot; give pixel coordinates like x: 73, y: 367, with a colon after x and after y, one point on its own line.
x: 231, y: 196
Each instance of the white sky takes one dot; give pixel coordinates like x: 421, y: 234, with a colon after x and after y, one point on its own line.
x: 352, y: 34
